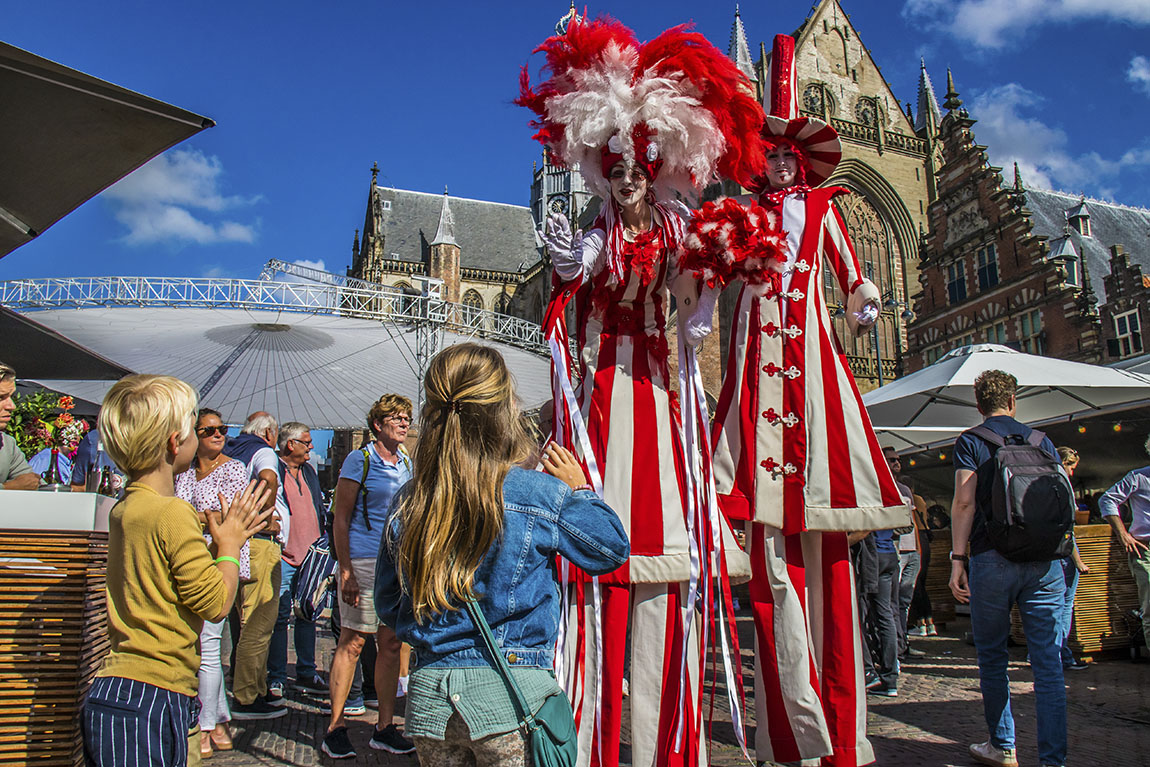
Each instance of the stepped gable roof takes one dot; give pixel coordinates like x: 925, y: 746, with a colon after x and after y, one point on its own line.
x: 1110, y: 224
x: 490, y: 235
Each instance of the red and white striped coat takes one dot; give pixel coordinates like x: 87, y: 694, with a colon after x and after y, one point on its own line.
x: 632, y: 418
x: 789, y: 413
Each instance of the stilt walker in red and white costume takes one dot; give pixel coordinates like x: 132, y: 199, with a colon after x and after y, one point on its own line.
x: 795, y: 455
x: 642, y: 122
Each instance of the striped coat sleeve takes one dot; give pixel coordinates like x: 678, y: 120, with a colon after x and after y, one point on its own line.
x: 840, y: 253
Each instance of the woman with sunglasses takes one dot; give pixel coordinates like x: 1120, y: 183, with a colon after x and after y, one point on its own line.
x: 211, y: 475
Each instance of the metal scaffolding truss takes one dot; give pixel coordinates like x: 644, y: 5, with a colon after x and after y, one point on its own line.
x: 426, y: 313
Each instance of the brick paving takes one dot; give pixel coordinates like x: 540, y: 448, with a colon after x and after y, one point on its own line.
x: 938, y: 712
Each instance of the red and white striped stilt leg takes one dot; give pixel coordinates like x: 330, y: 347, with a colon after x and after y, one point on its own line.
x: 810, y: 700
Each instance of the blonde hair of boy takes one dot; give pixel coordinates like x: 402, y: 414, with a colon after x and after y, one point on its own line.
x: 137, y: 416
x: 452, y: 513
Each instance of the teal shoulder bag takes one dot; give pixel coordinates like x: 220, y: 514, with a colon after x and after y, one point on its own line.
x: 550, y: 732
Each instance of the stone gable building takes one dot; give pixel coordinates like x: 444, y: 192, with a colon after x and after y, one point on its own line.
x: 488, y: 254
x: 1041, y: 271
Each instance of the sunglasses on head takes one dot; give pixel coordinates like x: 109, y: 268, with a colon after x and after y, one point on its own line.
x: 208, y: 431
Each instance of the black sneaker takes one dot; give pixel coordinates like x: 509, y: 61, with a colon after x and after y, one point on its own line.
x: 314, y: 685
x: 390, y: 739
x: 337, y: 745
x: 883, y: 690
x: 1077, y: 665
x: 257, y: 709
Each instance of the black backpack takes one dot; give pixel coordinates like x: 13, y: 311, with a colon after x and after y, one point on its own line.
x: 1031, y: 501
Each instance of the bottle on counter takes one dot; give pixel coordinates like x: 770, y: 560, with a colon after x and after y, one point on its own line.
x: 51, y: 476
x: 106, y: 486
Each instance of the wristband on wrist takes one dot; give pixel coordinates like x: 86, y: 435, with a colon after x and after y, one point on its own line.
x: 584, y: 486
x: 233, y: 560
x: 959, y: 558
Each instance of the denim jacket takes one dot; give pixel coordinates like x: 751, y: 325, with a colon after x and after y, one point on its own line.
x: 516, y: 580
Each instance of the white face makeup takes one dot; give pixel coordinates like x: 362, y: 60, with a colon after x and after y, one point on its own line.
x: 628, y: 184
x: 782, y: 167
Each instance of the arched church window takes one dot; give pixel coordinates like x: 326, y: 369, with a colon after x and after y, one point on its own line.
x: 866, y: 112
x: 502, y: 304
x: 472, y: 308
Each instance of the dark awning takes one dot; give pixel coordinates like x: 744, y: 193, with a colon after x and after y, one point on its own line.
x: 35, y: 351
x: 66, y: 136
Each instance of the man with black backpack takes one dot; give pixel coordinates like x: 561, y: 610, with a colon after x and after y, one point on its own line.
x: 1014, y: 504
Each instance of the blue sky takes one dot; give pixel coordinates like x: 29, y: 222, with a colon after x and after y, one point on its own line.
x: 307, y: 96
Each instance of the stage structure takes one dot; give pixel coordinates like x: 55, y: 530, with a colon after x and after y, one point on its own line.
x: 255, y: 336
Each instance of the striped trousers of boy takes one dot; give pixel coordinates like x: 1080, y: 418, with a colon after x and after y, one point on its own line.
x: 128, y: 723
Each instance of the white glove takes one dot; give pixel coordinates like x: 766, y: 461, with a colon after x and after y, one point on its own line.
x: 565, y: 247
x: 863, y: 307
x: 701, y: 321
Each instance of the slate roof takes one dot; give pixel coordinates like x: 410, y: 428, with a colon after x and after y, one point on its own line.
x: 1110, y: 224
x: 490, y: 235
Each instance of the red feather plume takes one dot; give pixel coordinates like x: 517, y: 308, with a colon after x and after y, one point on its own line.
x: 727, y: 241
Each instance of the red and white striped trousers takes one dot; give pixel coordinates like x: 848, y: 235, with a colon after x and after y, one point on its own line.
x: 656, y: 615
x: 810, y: 698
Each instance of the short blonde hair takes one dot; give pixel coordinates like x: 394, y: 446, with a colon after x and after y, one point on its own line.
x: 138, y: 414
x: 6, y: 372
x: 387, y: 405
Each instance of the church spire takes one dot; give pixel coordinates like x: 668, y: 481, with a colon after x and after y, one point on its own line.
x: 929, y: 115
x: 739, y: 52
x: 953, y: 102
x: 445, y: 234
x: 1017, y: 179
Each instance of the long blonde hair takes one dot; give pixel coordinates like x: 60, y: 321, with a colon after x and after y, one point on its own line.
x: 452, y: 513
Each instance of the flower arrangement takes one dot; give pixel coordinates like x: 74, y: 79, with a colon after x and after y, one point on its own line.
x: 727, y: 240
x: 42, y: 420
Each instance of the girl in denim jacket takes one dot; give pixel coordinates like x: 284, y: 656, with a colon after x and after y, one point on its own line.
x: 472, y: 524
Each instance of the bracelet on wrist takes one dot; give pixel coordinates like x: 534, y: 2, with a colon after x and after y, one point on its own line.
x: 233, y: 560
x: 584, y: 486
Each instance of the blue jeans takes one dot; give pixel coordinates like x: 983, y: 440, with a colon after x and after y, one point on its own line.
x: 304, y: 637
x: 1038, y: 588
x: 1066, y: 614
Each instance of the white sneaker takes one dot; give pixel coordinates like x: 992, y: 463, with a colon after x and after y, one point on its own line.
x: 987, y: 753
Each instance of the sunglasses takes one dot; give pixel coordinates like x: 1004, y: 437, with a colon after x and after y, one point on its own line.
x: 209, y: 431
x: 309, y: 443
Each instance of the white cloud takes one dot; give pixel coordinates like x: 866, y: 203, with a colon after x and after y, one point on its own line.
x: 990, y: 23
x: 1139, y: 73
x: 311, y: 264
x: 1043, y: 152
x: 174, y: 199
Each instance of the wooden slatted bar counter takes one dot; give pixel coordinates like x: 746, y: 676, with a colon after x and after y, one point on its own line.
x: 53, y: 637
x: 1105, y: 595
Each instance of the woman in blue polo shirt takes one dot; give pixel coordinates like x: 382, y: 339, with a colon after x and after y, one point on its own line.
x: 368, y: 480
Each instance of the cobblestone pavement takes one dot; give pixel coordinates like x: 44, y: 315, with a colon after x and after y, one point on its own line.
x: 938, y: 712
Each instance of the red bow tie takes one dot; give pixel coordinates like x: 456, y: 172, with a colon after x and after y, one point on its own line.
x: 776, y: 198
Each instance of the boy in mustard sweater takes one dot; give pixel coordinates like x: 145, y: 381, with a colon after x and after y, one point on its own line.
x: 163, y: 582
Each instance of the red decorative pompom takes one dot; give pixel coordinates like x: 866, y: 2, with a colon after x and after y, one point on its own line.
x: 727, y: 240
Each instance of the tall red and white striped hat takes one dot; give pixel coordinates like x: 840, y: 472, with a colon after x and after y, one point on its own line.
x: 818, y: 141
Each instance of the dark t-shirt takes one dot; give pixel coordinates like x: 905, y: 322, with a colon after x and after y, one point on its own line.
x: 975, y: 453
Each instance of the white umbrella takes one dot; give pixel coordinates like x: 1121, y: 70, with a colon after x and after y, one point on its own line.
x: 934, y: 405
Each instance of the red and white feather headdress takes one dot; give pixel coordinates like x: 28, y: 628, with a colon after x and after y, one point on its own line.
x: 674, y: 106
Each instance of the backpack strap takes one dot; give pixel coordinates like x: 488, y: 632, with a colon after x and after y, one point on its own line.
x: 363, y: 486
x: 988, y: 435
x: 1035, y: 438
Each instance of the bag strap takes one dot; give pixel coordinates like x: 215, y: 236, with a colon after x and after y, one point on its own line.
x: 363, y: 486
x: 1035, y: 438
x: 988, y: 435
x: 525, y: 717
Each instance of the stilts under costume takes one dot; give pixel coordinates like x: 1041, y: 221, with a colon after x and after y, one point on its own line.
x: 796, y: 458
x: 677, y: 109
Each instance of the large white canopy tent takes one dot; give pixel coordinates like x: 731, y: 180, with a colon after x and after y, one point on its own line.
x: 323, y: 370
